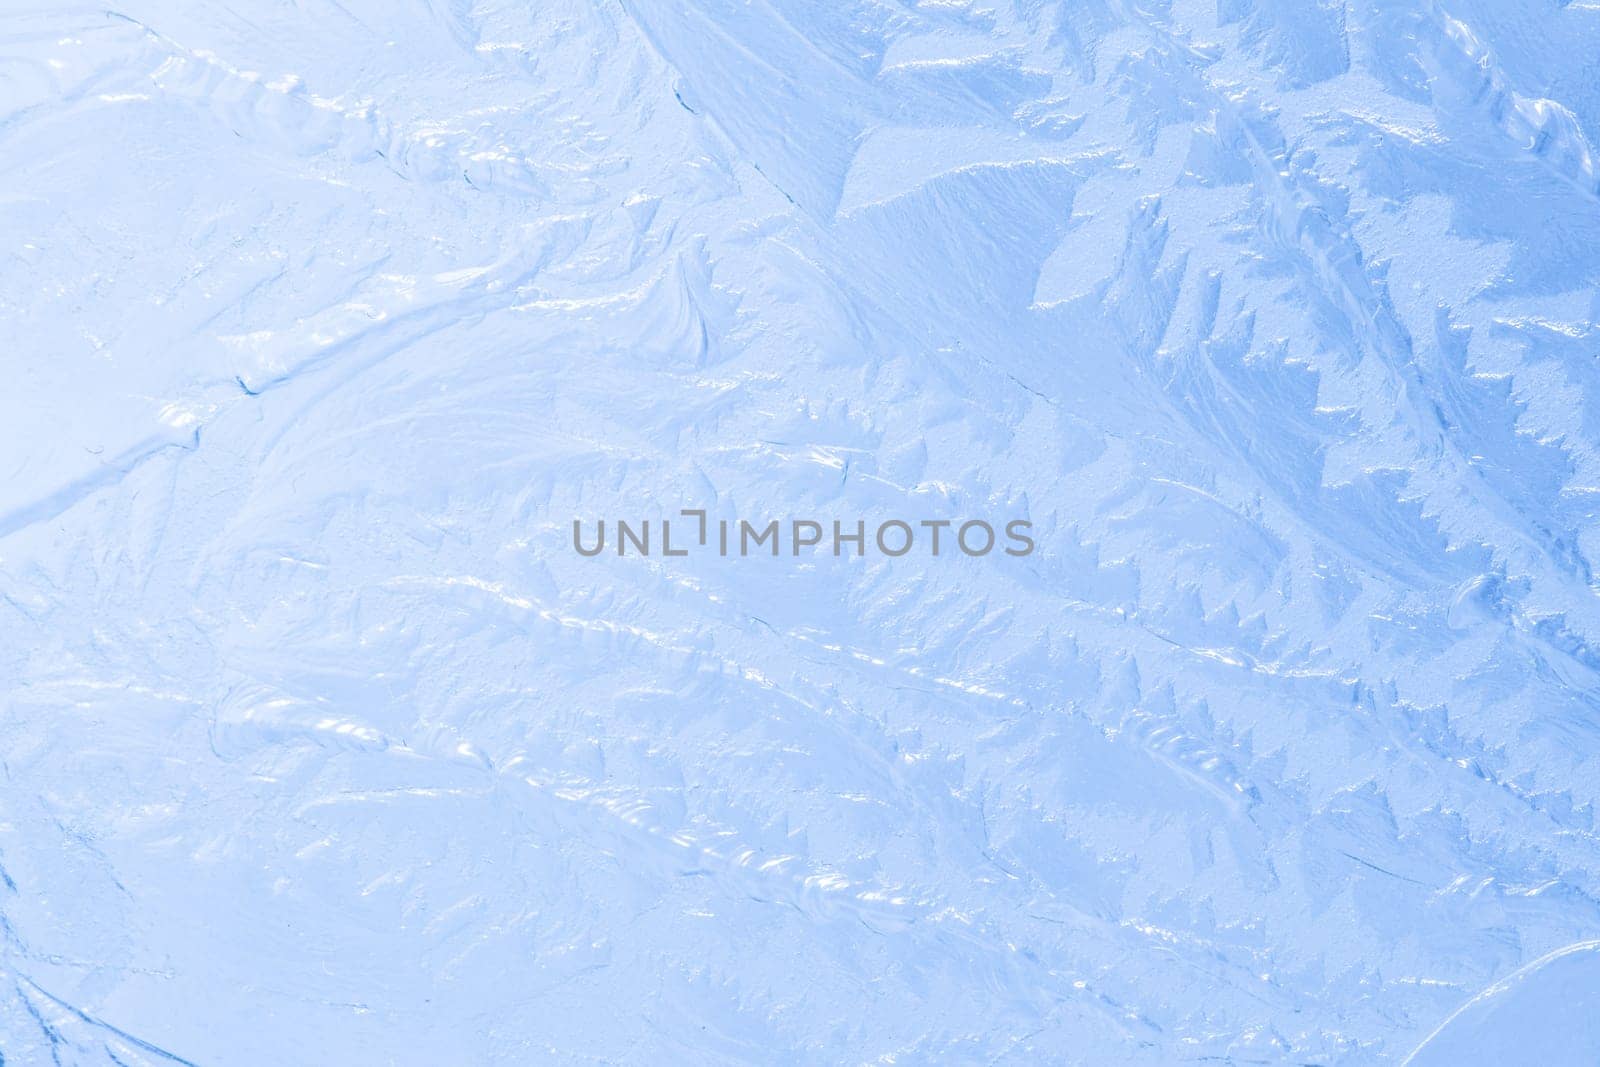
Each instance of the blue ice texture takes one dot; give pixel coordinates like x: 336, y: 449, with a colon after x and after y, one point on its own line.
x: 321, y: 322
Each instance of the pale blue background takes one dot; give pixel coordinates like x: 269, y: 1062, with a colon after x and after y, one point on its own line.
x: 321, y: 321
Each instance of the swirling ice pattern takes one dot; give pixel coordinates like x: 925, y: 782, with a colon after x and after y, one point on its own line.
x: 322, y: 321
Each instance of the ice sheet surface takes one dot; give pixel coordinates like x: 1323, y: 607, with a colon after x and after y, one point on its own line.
x: 321, y: 321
